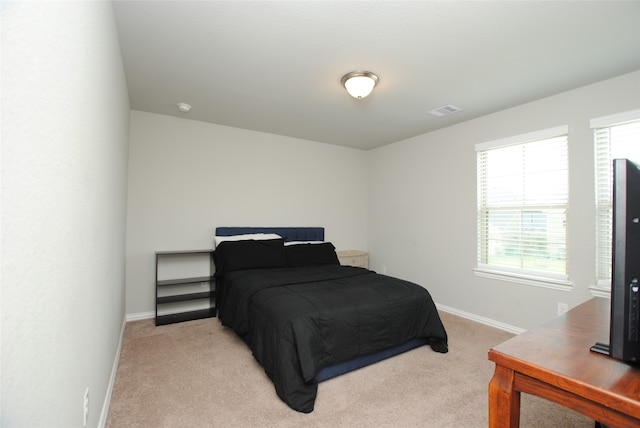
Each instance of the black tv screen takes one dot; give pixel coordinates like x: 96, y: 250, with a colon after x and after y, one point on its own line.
x: 624, y: 340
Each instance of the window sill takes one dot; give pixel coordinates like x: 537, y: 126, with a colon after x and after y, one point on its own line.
x: 600, y: 292
x: 536, y: 281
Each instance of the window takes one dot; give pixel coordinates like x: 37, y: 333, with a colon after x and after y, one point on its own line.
x: 522, y: 208
x: 616, y: 136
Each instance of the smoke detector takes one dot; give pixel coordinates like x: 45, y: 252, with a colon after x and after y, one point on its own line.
x: 184, y: 107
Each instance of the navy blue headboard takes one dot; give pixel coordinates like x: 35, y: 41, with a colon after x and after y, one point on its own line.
x: 288, y: 233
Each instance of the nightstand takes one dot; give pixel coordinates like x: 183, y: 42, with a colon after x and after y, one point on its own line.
x: 354, y: 258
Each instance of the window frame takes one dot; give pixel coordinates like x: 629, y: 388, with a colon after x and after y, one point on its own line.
x: 558, y: 281
x: 603, y: 180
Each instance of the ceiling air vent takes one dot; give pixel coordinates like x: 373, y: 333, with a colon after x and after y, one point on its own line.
x: 444, y: 110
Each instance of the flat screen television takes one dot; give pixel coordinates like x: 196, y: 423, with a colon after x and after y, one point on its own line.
x: 624, y: 332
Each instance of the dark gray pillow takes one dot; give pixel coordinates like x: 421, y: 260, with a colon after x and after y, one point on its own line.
x: 311, y: 254
x: 230, y: 256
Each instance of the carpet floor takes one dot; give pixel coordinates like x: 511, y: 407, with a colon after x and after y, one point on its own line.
x: 200, y: 374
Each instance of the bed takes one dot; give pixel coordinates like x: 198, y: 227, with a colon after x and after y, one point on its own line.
x: 305, y: 317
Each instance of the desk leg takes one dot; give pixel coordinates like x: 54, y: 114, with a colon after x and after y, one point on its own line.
x: 504, y: 400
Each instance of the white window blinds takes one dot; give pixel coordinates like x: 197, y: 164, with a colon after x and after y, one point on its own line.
x: 615, y: 136
x: 522, y: 204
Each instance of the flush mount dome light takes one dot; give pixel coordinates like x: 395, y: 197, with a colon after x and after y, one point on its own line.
x: 359, y: 84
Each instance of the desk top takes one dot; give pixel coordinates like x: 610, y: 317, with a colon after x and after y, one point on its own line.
x: 558, y: 353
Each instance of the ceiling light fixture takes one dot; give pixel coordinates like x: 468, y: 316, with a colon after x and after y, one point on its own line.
x: 359, y: 84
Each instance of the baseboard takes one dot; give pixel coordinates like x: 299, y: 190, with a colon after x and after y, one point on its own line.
x: 480, y: 319
x: 112, y: 379
x: 140, y: 316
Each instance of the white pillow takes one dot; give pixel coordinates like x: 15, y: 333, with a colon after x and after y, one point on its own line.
x: 256, y: 236
x: 302, y: 242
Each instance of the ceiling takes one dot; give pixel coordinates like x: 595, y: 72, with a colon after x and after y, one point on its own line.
x: 275, y: 66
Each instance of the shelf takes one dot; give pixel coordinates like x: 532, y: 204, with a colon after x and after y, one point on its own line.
x: 185, y: 316
x: 184, y: 297
x: 184, y: 280
x: 177, y: 253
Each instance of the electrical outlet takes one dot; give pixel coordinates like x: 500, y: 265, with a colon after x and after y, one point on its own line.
x: 85, y: 407
x: 562, y: 308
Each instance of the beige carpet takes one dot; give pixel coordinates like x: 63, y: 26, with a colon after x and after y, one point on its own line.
x: 199, y: 374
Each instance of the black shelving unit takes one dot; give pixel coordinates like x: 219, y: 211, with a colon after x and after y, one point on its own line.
x: 164, y: 299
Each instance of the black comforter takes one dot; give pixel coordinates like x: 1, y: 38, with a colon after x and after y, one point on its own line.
x: 300, y: 320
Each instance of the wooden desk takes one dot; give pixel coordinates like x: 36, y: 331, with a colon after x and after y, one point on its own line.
x: 554, y: 362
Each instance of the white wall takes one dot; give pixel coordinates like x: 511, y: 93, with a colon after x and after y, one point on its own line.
x: 65, y: 113
x: 422, y: 202
x: 188, y: 177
